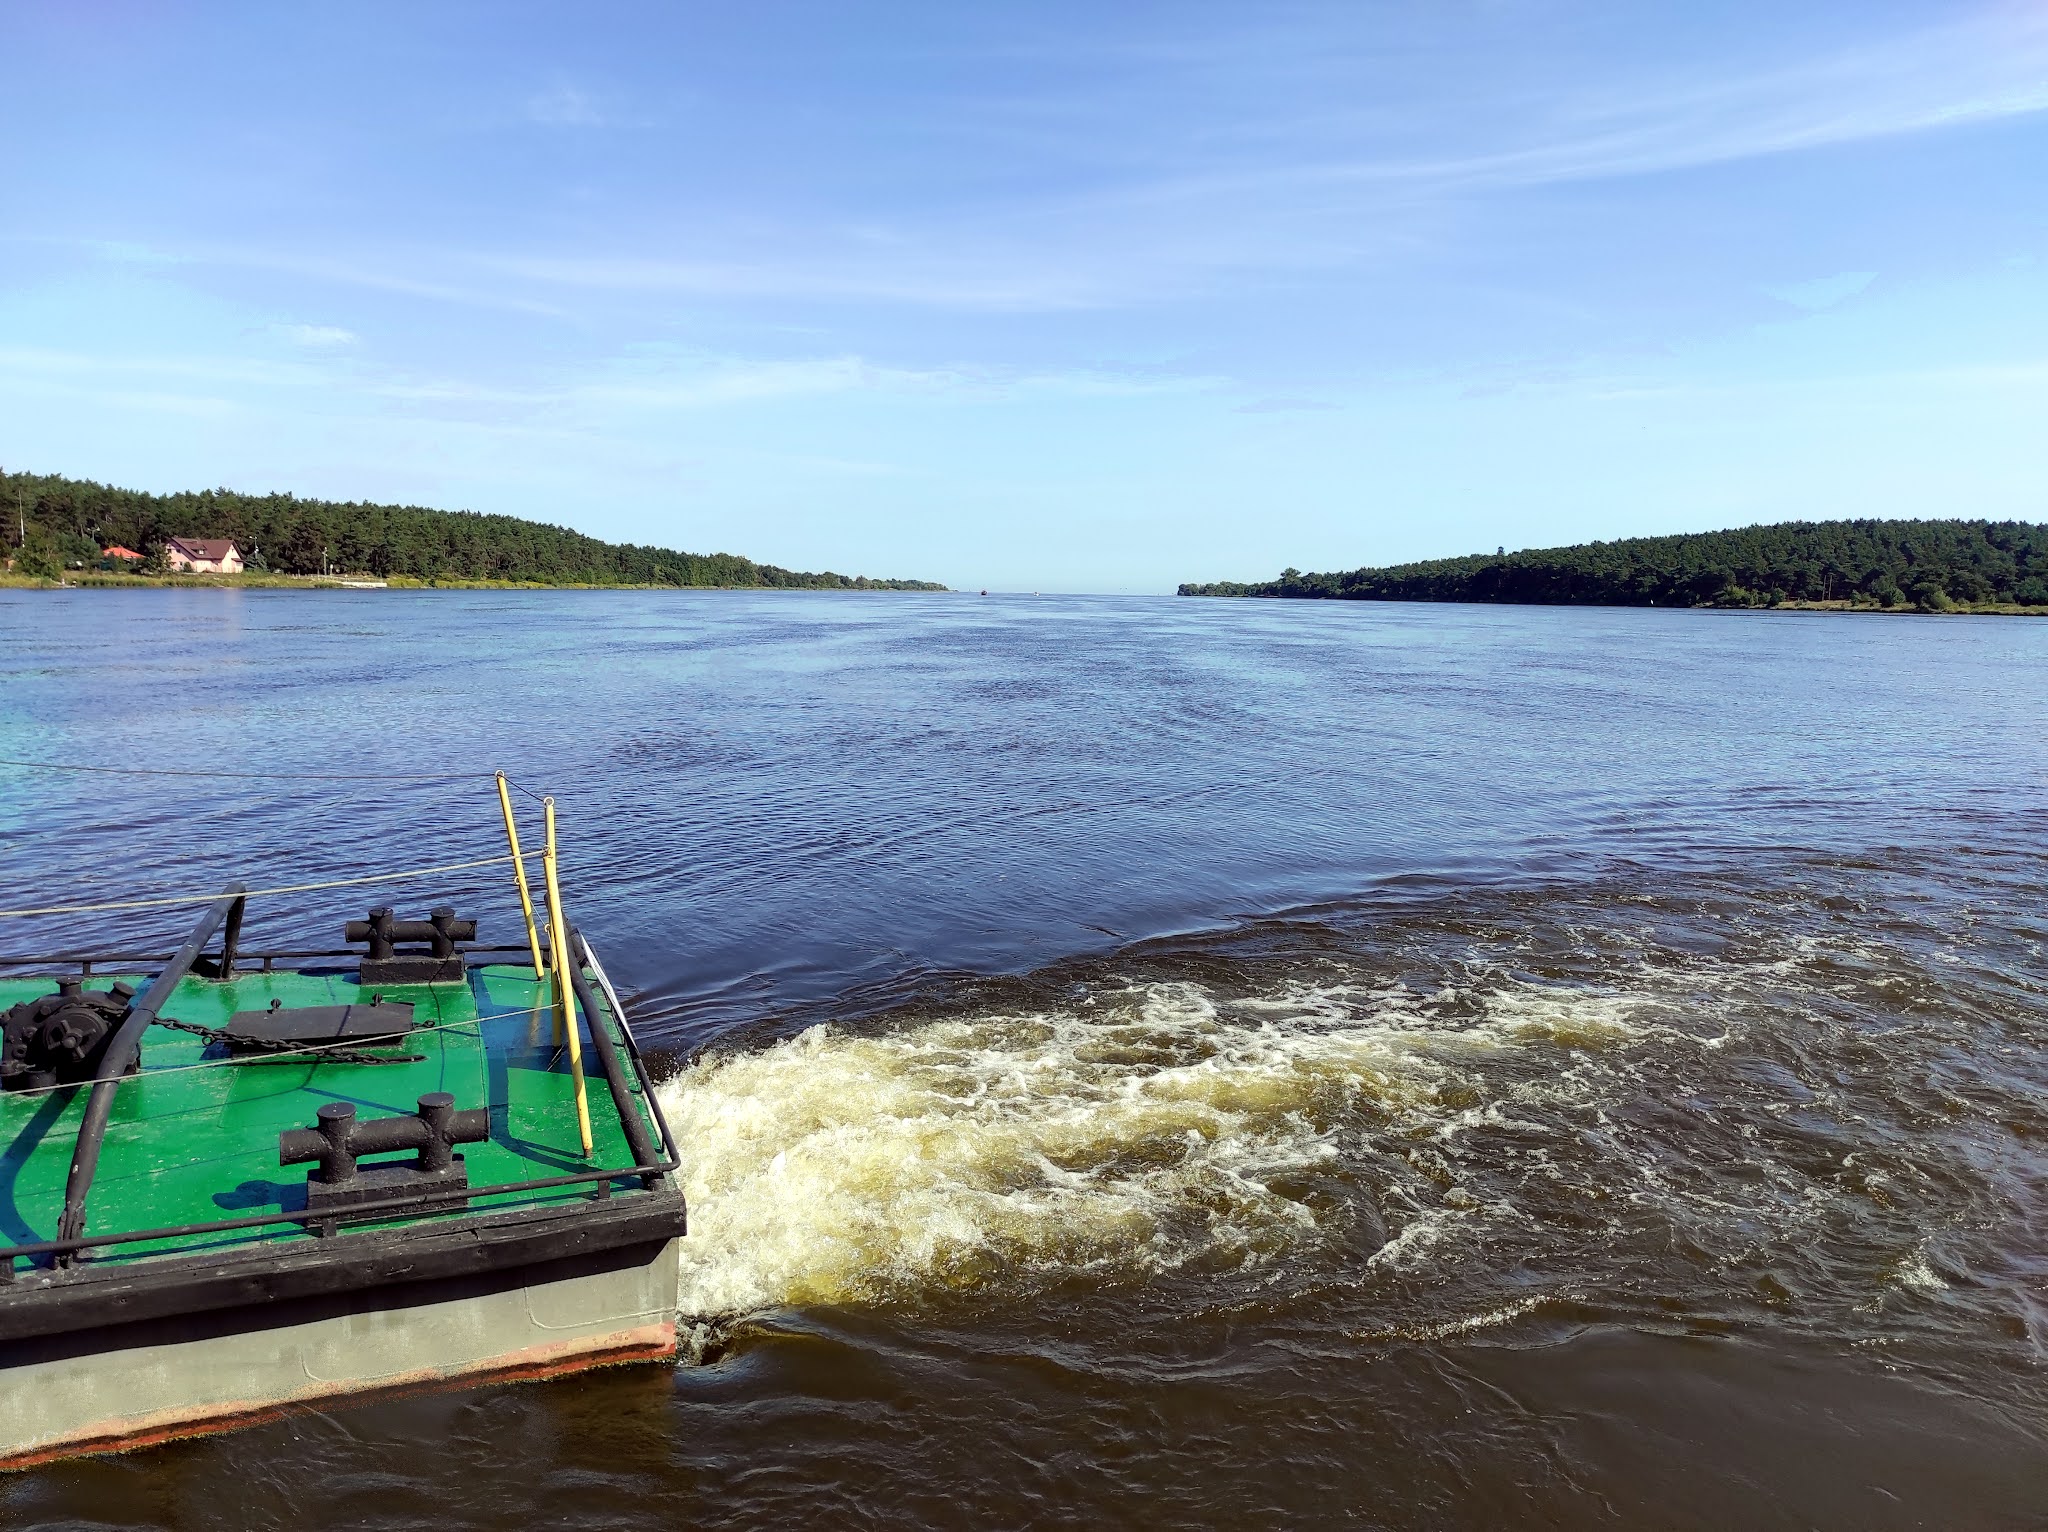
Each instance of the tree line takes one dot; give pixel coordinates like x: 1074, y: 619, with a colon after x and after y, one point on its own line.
x: 62, y: 523
x: 1925, y: 565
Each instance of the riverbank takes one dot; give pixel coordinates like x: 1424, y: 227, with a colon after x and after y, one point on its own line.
x: 1956, y: 609
x: 1929, y: 566
x: 103, y: 580
x: 63, y: 524
x: 1870, y: 608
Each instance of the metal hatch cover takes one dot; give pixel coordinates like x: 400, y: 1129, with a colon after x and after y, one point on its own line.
x: 360, y: 1022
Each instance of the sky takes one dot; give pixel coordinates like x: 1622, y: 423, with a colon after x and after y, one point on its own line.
x: 1074, y: 297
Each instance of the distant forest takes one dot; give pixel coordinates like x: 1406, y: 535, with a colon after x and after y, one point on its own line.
x: 70, y: 520
x: 1933, y: 566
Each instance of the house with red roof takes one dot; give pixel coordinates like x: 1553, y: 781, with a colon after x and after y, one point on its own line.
x: 203, y: 555
x: 119, y: 552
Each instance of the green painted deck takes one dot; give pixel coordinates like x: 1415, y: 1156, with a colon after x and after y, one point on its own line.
x: 194, y: 1136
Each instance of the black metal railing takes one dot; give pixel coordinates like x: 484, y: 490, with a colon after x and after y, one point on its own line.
x: 608, y: 1053
x: 326, y: 1222
x: 85, y: 962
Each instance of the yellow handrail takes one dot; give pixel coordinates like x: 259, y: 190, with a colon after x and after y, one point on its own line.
x: 519, y: 873
x: 565, y: 1002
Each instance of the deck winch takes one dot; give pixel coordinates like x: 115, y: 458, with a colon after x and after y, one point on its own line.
x: 441, y: 963
x: 60, y: 1039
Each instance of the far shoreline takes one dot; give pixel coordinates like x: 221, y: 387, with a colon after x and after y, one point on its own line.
x: 97, y: 580
x: 1821, y: 608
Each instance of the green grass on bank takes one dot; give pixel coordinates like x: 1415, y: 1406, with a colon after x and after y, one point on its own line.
x: 98, y: 579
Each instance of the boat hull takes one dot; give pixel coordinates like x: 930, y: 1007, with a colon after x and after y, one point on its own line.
x: 123, y: 1386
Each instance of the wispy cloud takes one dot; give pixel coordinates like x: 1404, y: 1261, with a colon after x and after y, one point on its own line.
x: 934, y: 273
x: 701, y: 383
x: 1284, y: 406
x: 1268, y: 184
x: 30, y: 362
x: 433, y: 275
x: 129, y: 252
x: 315, y: 337
x: 1982, y: 68
x: 1274, y: 188
x: 634, y: 384
x: 1252, y: 151
x: 563, y: 105
x: 1823, y: 292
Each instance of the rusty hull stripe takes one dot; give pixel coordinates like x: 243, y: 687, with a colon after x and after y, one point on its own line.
x: 645, y: 1343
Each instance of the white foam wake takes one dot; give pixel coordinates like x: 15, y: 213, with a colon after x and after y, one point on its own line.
x: 1141, y: 1132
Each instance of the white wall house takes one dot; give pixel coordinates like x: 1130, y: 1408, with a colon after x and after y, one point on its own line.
x: 203, y: 555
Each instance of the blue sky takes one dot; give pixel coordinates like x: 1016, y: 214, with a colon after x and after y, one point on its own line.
x: 1053, y: 296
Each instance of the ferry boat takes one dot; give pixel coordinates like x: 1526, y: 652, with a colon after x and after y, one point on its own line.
x: 239, y: 1182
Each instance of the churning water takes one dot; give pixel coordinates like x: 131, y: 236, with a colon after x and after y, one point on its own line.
x: 1176, y: 1063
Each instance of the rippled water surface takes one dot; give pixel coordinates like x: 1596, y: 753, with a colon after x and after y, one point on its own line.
x: 1174, y: 1063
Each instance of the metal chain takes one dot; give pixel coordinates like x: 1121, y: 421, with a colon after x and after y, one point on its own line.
x: 280, y: 1045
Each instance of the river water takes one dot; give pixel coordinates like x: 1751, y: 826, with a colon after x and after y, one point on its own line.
x: 1167, y: 1063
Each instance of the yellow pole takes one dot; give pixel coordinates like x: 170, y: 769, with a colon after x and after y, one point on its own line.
x: 565, y: 1002
x: 519, y: 873
x: 550, y: 887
